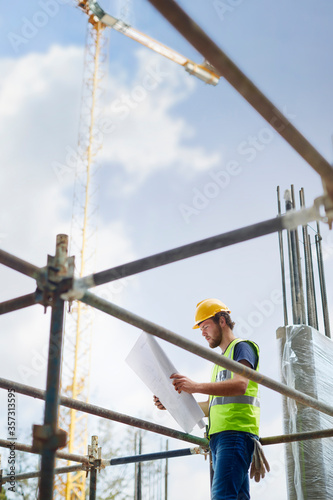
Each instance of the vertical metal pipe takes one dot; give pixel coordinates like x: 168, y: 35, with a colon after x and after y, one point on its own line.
x: 138, y: 451
x: 283, y: 274
x: 313, y: 289
x: 211, y: 471
x: 52, y: 397
x: 93, y: 483
x: 301, y: 301
x: 308, y: 272
x: 166, y: 473
x: 53, y: 379
x: 293, y: 271
x: 1, y: 475
x: 135, y: 465
x: 307, y: 265
x: 322, y: 282
x: 139, y: 479
x: 93, y: 451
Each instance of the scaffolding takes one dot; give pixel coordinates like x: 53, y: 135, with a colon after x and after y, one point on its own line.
x: 57, y: 284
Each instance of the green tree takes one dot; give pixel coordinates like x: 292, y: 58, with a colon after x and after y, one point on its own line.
x: 3, y: 495
x: 25, y: 489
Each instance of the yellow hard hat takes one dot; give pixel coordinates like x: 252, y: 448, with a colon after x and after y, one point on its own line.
x: 207, y: 309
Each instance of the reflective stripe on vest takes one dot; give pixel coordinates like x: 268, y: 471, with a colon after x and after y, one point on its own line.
x: 243, y: 400
x: 238, y: 413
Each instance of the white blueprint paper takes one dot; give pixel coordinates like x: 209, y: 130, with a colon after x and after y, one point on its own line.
x: 151, y: 364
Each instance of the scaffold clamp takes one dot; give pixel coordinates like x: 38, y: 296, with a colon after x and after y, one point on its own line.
x: 44, y: 437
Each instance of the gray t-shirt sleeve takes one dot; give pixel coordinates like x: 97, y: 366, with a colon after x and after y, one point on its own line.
x: 243, y: 351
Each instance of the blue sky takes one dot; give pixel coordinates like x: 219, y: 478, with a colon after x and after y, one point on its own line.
x: 179, y: 165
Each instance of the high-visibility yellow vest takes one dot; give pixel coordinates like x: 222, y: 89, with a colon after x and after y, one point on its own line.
x: 234, y: 413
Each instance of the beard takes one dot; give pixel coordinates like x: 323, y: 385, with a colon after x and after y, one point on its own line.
x: 216, y: 342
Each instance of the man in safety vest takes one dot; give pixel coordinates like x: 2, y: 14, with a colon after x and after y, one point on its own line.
x: 233, y: 405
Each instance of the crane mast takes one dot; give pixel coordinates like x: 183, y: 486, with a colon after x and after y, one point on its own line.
x: 78, y: 326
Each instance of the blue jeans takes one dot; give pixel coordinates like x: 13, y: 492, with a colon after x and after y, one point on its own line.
x: 232, y: 455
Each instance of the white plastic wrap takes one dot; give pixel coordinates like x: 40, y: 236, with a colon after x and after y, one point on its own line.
x: 307, y: 365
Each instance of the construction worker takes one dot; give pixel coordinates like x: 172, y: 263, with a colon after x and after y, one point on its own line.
x: 233, y: 405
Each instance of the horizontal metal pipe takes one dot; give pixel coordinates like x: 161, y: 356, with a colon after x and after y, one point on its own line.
x: 104, y: 413
x: 203, y: 352
x: 228, y: 69
x: 289, y: 438
x: 31, y: 475
x: 184, y: 252
x: 301, y: 436
x: 114, y: 461
x: 19, y: 265
x: 150, y: 456
x: 18, y: 303
x: 281, y: 439
x: 29, y: 449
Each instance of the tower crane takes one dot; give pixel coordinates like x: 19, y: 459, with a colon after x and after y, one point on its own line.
x: 77, y: 340
x: 78, y: 325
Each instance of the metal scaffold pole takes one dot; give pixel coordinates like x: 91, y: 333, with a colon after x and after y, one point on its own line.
x: 105, y: 413
x: 287, y: 221
x: 51, y: 401
x: 48, y: 437
x: 204, y: 352
x: 183, y: 23
x: 166, y: 473
x: 295, y: 271
x: 299, y: 265
x: 322, y: 281
x: 95, y: 462
x: 310, y: 291
x: 38, y: 474
x: 282, y: 263
x: 20, y: 302
x: 19, y: 265
x: 86, y: 462
x: 59, y: 454
x: 183, y: 252
x: 138, y: 474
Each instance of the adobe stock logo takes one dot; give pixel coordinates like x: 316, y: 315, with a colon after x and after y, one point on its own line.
x: 249, y: 150
x: 117, y: 112
x: 226, y: 7
x: 30, y: 27
x: 201, y: 197
x: 261, y: 311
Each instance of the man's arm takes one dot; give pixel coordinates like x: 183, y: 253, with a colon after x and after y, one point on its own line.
x: 204, y: 405
x: 233, y: 387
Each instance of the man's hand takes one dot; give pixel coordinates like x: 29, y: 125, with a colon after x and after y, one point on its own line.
x: 182, y: 383
x: 158, y: 403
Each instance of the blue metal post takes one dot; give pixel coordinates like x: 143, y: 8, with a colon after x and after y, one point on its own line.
x: 93, y: 484
x: 48, y: 437
x: 52, y: 400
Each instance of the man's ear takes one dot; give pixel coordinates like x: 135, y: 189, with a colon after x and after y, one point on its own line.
x: 222, y: 321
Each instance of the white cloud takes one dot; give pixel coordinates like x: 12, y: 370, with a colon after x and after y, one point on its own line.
x: 39, y: 114
x: 39, y: 96
x: 40, y: 105
x: 142, y: 131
